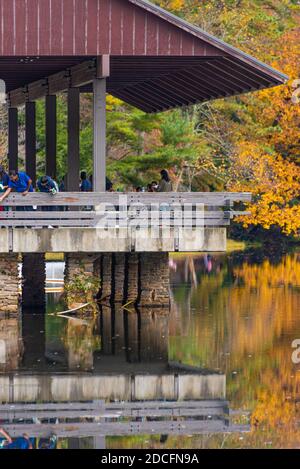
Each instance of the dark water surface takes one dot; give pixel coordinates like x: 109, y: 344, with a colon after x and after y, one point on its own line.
x: 233, y: 318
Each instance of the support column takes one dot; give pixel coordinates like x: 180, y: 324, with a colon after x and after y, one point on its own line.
x: 51, y: 135
x: 30, y: 140
x: 73, y: 164
x: 34, y: 281
x: 154, y: 280
x: 99, y: 107
x: 9, y: 283
x: 13, y: 138
x: 118, y: 276
x: 132, y: 277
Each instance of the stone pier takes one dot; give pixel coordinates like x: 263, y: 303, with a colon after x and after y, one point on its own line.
x: 81, y: 266
x: 9, y: 283
x: 34, y: 280
x: 154, y: 280
x: 141, y: 279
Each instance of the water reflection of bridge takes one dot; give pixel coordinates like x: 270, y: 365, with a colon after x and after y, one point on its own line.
x: 104, y: 376
x: 94, y: 419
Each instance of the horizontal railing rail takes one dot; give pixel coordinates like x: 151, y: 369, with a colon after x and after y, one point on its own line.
x: 77, y: 209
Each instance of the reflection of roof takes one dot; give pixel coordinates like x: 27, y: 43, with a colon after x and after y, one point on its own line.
x: 119, y: 418
x: 158, y: 61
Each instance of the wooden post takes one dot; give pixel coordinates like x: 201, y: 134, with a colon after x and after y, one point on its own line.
x: 30, y: 140
x: 51, y: 138
x: 13, y: 138
x: 99, y: 106
x: 73, y: 165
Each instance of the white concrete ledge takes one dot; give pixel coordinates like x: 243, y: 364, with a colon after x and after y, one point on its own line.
x: 200, y: 239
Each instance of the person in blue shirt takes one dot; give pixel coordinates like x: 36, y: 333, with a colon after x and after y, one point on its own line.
x: 18, y: 182
x: 46, y: 184
x: 85, y: 185
x: 22, y: 442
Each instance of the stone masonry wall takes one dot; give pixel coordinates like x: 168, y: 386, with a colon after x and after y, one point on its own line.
x: 154, y: 279
x: 9, y: 283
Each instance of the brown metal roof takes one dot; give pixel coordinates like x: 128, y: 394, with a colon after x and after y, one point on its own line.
x: 158, y: 61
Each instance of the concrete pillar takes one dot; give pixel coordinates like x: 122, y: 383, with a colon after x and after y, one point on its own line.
x: 118, y: 275
x: 34, y: 280
x: 154, y: 282
x: 9, y: 283
x: 106, y: 275
x: 13, y: 138
x: 51, y: 137
x: 30, y: 140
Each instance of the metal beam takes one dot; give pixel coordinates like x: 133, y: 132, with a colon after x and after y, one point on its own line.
x: 51, y: 137
x: 73, y: 158
x: 99, y: 131
x: 30, y: 140
x: 13, y: 138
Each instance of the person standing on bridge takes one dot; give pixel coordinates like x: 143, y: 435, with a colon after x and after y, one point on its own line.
x: 18, y: 182
x: 165, y: 184
x: 85, y: 185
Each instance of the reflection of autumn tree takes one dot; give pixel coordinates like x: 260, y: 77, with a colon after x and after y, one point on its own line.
x: 244, y: 319
x: 80, y: 342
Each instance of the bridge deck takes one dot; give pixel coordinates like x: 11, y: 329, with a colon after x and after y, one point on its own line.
x: 118, y: 222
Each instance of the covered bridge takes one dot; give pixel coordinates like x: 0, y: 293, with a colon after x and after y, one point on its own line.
x: 147, y: 57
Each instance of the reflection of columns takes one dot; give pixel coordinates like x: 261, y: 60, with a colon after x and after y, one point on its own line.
x: 106, y: 331
x: 154, y: 279
x: 13, y: 138
x: 154, y: 332
x: 99, y: 102
x: 131, y: 333
x: 30, y: 140
x: 9, y: 283
x: 34, y: 339
x: 10, y: 344
x: 73, y: 165
x: 50, y: 107
x: 106, y: 275
x: 34, y: 280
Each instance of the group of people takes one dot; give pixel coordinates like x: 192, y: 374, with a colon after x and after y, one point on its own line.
x: 19, y: 181
x: 164, y: 185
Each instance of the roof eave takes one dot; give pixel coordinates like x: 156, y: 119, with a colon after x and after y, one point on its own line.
x: 279, y: 77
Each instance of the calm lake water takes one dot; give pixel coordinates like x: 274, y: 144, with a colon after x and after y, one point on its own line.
x: 236, y: 315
